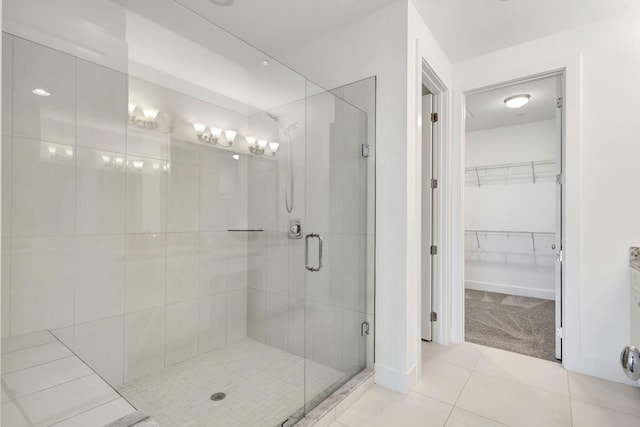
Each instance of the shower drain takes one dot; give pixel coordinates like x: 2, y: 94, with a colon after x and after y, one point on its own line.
x: 218, y: 396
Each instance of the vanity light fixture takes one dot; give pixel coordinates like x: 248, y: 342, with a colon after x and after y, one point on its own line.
x: 52, y: 150
x: 205, y: 134
x: 236, y: 157
x: 251, y: 143
x: 273, y: 146
x: 143, y: 118
x: 230, y: 136
x: 138, y: 164
x: 40, y: 92
x: 262, y: 144
x: 517, y: 101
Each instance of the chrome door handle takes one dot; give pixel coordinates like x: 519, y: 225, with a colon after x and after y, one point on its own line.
x: 306, y: 252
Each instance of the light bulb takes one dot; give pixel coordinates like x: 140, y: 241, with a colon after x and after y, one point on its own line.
x: 199, y: 128
x: 150, y: 113
x: 40, y: 92
x: 273, y: 146
x: 517, y: 101
x: 230, y: 135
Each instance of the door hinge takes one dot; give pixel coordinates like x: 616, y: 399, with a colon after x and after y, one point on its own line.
x: 434, y: 316
x: 559, y: 332
x: 366, y: 150
x: 433, y: 250
x: 559, y: 102
x: 434, y: 117
x: 559, y: 179
x: 364, y: 329
x: 434, y: 183
x: 559, y: 255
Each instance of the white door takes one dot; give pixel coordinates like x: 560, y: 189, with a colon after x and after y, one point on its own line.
x: 558, y: 236
x: 427, y: 170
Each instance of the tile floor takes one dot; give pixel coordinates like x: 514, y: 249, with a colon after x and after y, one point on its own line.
x: 264, y: 385
x: 475, y: 386
x: 45, y: 384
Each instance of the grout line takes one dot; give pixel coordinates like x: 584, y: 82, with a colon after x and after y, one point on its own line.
x: 89, y: 409
x: 42, y: 363
x: 57, y: 385
x: 599, y: 405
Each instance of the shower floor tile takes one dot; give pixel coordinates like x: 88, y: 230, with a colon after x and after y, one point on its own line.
x: 263, y: 386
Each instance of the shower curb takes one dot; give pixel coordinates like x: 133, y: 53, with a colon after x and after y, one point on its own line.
x: 330, y: 409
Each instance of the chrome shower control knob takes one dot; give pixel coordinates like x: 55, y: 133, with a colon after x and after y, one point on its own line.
x: 630, y: 360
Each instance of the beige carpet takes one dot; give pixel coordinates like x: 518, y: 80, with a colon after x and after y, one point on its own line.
x: 519, y: 324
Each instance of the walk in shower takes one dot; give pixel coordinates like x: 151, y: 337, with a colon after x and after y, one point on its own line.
x: 184, y: 219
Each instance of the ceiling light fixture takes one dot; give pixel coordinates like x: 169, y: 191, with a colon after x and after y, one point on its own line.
x: 517, y: 101
x: 222, y: 2
x: 40, y: 92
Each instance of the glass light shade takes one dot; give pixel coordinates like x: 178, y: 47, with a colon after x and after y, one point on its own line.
x: 215, y: 132
x: 40, y: 92
x: 132, y: 108
x: 262, y: 143
x: 106, y: 159
x: 68, y: 152
x: 52, y: 150
x: 273, y: 146
x: 517, y: 101
x: 230, y: 135
x: 119, y: 160
x: 251, y: 141
x: 199, y: 128
x: 150, y: 113
x: 138, y: 164
x: 236, y: 157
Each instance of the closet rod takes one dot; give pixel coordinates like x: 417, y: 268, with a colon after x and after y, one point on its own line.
x: 510, y: 165
x: 531, y: 234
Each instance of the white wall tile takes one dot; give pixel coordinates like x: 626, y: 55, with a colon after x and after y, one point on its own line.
x: 212, y: 205
x: 212, y: 322
x: 327, y: 341
x: 182, y: 332
x: 6, y: 287
x: 296, y: 339
x: 34, y: 356
x: 277, y: 316
x: 236, y: 315
x: 102, y: 107
x: 182, y: 197
x: 7, y: 84
x: 43, y: 118
x: 42, y: 297
x: 65, y: 335
x: 278, y: 276
x: 144, y: 343
x: 43, y: 189
x: 100, y: 192
x: 185, y: 111
x: 182, y: 266
x: 101, y: 345
x: 7, y: 184
x: 100, y: 277
x: 256, y: 315
x: 145, y: 271
x: 146, y: 195
x: 237, y: 274
x: 353, y: 272
x: 213, y: 263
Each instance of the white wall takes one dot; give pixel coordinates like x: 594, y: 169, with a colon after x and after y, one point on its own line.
x: 602, y: 64
x: 512, y: 202
x: 377, y: 45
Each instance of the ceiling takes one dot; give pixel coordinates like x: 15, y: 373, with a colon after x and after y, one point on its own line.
x: 468, y: 28
x: 276, y: 26
x: 486, y: 110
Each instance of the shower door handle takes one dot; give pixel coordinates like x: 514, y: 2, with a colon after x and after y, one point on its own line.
x: 306, y: 252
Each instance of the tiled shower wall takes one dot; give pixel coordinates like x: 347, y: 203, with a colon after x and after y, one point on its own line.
x: 132, y: 268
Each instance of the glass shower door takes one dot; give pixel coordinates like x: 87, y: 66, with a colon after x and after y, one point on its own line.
x: 335, y: 234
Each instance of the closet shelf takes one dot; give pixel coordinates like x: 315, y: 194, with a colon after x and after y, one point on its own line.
x: 502, y: 233
x: 535, y: 171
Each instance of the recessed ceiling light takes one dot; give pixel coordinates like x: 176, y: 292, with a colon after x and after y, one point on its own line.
x: 40, y: 92
x: 517, y: 101
x: 264, y: 62
x: 222, y: 2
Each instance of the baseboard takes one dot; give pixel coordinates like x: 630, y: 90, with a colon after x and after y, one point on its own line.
x: 510, y: 290
x: 401, y: 382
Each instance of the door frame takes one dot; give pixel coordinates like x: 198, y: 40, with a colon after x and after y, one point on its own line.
x: 486, y: 74
x: 560, y: 201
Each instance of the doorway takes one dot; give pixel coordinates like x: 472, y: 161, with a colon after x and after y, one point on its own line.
x: 513, y: 216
